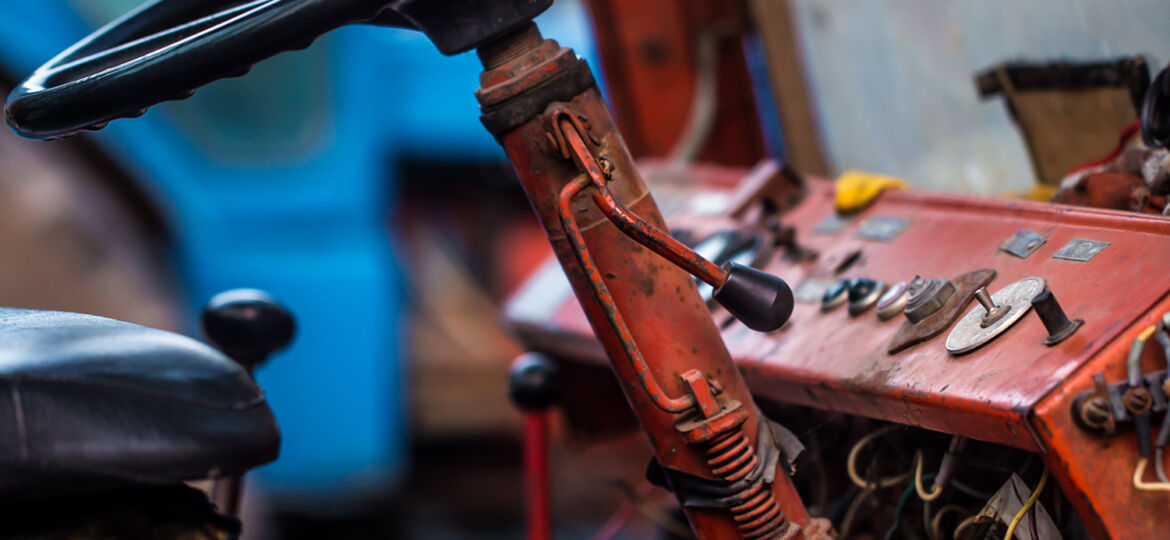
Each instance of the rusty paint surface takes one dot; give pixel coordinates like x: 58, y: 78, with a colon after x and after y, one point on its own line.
x: 629, y: 223
x: 1096, y: 473
x: 613, y: 317
x: 833, y: 361
x: 1015, y: 390
x: 910, y: 335
x: 642, y: 287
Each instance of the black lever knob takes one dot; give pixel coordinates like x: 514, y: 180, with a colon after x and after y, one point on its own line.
x: 534, y: 384
x: 247, y: 325
x: 759, y: 300
x: 1055, y: 321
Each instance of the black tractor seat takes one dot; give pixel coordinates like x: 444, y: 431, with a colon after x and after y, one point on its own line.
x: 88, y: 402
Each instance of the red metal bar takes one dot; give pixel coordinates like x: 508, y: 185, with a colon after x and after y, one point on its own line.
x: 635, y: 227
x: 675, y: 331
x: 612, y: 315
x: 536, y: 481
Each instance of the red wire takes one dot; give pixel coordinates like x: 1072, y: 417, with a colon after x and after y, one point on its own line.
x: 1126, y: 134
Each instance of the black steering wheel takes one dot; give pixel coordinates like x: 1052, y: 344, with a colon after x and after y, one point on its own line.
x: 166, y: 49
x: 1156, y: 111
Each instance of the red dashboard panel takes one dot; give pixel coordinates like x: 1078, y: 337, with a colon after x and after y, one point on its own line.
x: 838, y: 362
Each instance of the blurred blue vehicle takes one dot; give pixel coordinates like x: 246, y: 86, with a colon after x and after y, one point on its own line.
x: 284, y: 180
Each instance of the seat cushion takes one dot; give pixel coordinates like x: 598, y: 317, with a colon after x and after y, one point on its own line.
x: 87, y: 401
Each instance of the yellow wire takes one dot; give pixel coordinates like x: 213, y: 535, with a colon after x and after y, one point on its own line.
x: 1138, y: 483
x: 1011, y: 531
x: 963, y: 526
x: 935, y: 489
x: 851, y: 463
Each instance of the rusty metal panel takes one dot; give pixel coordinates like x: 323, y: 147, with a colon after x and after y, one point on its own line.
x: 1096, y: 473
x: 834, y: 361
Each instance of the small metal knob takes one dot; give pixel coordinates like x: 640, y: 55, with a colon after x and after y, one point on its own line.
x: 1055, y: 321
x: 534, y: 383
x: 995, y: 311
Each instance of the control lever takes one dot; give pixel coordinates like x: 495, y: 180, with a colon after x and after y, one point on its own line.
x: 248, y: 326
x: 759, y: 300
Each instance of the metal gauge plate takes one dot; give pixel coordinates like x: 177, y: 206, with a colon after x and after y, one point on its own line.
x: 1080, y: 250
x: 1023, y: 243
x: 882, y: 229
x: 832, y: 225
x: 969, y: 334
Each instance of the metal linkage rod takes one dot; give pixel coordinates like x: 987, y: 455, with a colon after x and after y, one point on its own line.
x: 612, y: 315
x: 640, y: 230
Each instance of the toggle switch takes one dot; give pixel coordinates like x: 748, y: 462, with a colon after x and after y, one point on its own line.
x: 994, y: 312
x: 1059, y: 326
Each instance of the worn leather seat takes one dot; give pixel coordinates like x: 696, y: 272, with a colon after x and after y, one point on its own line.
x: 87, y: 402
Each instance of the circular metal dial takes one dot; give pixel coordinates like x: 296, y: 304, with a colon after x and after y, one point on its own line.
x: 970, y: 334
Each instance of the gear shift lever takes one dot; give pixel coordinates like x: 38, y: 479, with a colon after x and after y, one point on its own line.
x: 248, y: 326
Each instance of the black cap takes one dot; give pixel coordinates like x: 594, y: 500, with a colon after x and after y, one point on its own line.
x: 534, y: 383
x: 761, y: 301
x: 247, y: 325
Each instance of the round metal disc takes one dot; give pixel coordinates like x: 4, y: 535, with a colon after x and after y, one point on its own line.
x: 969, y: 333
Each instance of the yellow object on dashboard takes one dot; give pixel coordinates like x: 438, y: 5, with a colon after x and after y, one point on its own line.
x: 856, y: 189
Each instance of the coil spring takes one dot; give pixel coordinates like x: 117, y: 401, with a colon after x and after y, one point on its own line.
x: 732, y: 458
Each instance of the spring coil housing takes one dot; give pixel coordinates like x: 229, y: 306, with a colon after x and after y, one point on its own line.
x: 732, y: 457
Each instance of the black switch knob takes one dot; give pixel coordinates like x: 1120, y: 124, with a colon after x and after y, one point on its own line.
x: 1055, y: 321
x: 836, y: 295
x: 863, y: 294
x: 534, y: 384
x: 247, y: 325
x: 759, y: 300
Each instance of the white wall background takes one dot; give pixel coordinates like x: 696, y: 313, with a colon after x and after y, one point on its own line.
x: 893, y: 79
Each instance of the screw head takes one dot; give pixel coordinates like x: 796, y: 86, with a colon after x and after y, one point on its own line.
x: 1095, y: 412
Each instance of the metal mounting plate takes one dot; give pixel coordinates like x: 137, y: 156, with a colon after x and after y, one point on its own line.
x: 969, y: 334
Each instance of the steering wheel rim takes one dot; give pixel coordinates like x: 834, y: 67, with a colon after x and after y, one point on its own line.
x: 1155, y: 118
x: 163, y: 51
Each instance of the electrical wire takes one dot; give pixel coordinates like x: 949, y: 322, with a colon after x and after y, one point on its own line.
x: 1011, y: 530
x: 960, y: 486
x: 851, y: 463
x: 935, y: 489
x: 1158, y: 467
x: 963, y: 525
x: 851, y: 513
x: 901, y: 507
x: 926, y: 519
x: 936, y: 521
x: 1140, y: 484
